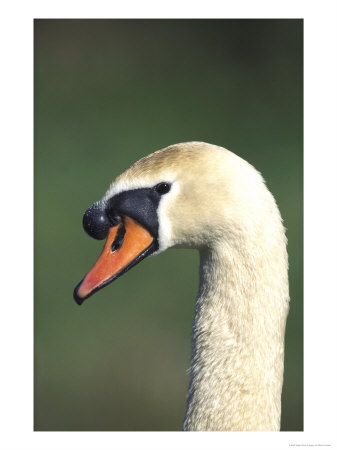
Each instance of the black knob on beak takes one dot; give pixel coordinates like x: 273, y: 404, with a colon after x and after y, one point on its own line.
x: 96, y: 222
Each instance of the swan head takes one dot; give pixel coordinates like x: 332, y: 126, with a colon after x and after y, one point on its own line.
x: 189, y: 195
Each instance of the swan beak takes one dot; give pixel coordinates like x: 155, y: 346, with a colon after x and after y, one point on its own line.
x: 126, y: 245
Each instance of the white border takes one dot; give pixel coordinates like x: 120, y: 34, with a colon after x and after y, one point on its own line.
x: 16, y: 224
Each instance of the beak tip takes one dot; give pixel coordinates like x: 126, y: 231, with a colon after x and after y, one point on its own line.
x: 78, y: 300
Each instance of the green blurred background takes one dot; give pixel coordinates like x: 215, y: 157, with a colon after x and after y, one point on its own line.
x: 108, y: 92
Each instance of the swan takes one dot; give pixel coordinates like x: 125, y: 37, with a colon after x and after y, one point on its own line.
x: 202, y: 196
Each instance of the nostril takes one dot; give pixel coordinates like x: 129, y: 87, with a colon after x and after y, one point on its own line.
x: 119, y: 239
x: 96, y: 222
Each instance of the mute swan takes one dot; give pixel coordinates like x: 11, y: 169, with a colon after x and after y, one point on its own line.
x: 198, y: 195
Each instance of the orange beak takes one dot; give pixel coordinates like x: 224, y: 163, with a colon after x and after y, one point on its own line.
x: 126, y: 245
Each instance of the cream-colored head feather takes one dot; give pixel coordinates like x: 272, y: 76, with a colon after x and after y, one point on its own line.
x: 213, y: 191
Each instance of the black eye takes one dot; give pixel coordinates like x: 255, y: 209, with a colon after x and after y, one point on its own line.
x: 162, y: 188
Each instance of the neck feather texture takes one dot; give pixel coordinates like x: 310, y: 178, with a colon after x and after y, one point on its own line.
x: 238, y: 334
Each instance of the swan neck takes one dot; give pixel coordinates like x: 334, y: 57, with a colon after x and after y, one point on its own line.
x: 238, y: 339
